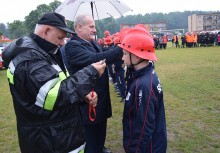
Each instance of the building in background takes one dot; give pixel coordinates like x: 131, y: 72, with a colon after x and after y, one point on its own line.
x: 204, y: 22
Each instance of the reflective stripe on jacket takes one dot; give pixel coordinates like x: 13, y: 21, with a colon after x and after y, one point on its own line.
x: 48, y: 93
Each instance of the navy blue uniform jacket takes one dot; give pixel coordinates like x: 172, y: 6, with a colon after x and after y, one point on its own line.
x: 144, y: 124
x: 79, y: 54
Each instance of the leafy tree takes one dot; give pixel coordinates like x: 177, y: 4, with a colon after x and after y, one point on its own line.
x: 54, y: 5
x: 35, y: 15
x: 99, y: 28
x: 4, y: 30
x: 110, y: 24
x: 17, y: 29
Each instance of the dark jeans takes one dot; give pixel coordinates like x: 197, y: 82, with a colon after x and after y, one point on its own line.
x: 95, y: 137
x: 121, y: 83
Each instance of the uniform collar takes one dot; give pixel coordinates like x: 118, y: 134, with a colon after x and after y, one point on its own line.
x: 141, y: 71
x: 42, y: 43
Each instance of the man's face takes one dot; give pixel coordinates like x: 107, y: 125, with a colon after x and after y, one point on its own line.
x: 55, y: 36
x: 88, y: 31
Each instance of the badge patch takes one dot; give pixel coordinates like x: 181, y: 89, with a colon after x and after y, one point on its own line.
x: 128, y: 96
x: 159, y: 88
x: 140, y: 96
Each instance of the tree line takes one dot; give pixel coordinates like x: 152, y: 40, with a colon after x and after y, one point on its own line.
x: 174, y: 20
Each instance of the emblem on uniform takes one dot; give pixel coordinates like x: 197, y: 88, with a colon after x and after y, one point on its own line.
x: 159, y: 88
x: 153, y: 71
x: 140, y: 96
x: 128, y: 96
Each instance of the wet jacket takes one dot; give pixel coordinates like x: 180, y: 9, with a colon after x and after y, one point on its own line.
x: 144, y: 125
x: 80, y: 53
x: 45, y: 99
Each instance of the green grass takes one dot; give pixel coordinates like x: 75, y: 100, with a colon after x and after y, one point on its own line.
x: 191, y: 84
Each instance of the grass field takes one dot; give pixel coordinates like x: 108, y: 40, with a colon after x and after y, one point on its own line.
x: 190, y: 79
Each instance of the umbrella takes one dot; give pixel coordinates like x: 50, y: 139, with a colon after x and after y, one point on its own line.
x: 98, y: 9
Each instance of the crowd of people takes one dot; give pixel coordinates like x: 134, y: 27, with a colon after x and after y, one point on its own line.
x: 188, y: 40
x: 193, y: 39
x: 160, y: 41
x: 116, y: 70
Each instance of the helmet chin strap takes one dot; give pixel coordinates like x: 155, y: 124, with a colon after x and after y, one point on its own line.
x: 132, y: 65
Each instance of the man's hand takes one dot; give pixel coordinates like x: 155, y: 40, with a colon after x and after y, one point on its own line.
x: 92, y: 100
x: 99, y: 66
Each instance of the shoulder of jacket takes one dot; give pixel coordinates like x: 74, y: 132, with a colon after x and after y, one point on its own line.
x: 28, y: 55
x: 20, y: 58
x: 75, y: 42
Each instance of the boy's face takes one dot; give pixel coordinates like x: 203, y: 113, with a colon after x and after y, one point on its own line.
x: 126, y: 57
x: 129, y: 58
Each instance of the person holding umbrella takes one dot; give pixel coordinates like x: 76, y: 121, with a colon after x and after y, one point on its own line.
x: 81, y: 51
x: 46, y: 100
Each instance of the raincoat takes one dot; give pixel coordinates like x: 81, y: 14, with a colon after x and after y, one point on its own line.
x: 45, y: 99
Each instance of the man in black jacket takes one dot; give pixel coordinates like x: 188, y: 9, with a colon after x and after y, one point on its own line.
x: 46, y: 100
x: 81, y: 51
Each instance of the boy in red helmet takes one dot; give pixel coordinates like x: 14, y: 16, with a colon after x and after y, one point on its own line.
x: 144, y: 123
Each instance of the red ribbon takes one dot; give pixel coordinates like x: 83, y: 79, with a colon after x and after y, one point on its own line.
x: 92, y: 111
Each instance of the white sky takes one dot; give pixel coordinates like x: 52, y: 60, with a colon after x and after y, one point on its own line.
x: 17, y: 9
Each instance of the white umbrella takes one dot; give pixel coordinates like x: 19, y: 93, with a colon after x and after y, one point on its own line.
x: 98, y: 9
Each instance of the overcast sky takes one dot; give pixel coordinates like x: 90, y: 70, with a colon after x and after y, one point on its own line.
x: 17, y: 9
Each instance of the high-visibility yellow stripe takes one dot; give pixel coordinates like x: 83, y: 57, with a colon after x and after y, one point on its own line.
x: 51, y: 97
x: 53, y: 93
x: 62, y: 76
x: 67, y: 73
x: 42, y: 94
x: 48, y: 93
x: 10, y: 72
x: 82, y: 151
x: 10, y: 76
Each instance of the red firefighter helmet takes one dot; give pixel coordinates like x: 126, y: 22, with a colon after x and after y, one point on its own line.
x: 116, y: 40
x: 100, y: 42
x: 140, y: 43
x: 142, y: 27
x: 108, y: 41
x: 122, y: 33
x: 106, y: 33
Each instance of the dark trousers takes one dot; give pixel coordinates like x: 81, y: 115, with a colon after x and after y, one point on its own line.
x: 95, y: 137
x: 111, y: 73
x: 121, y: 83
